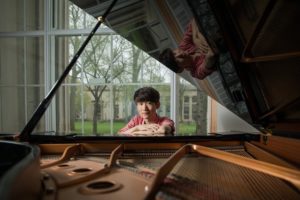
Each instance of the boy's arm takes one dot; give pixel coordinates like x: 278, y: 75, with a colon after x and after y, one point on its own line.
x: 129, y: 127
x: 187, y: 40
x: 198, y: 39
x: 127, y: 131
x: 149, y: 129
x: 165, y: 130
x: 167, y: 127
x: 140, y: 129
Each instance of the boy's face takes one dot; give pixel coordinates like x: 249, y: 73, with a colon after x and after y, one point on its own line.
x: 147, y: 109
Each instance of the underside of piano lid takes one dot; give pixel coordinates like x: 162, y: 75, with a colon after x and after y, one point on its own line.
x: 263, y: 39
x: 257, y: 41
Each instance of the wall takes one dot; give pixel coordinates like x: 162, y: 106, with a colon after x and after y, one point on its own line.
x: 227, y: 121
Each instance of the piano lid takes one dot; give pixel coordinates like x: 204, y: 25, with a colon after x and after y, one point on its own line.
x: 257, y: 42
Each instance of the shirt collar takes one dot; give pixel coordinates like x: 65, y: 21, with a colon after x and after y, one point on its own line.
x: 155, y: 120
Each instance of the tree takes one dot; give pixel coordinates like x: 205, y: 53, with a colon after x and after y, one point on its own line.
x: 108, y: 59
x: 75, y: 19
x: 101, y: 65
x: 97, y: 63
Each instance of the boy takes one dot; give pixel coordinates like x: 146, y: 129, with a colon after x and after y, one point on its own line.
x: 147, y: 122
x: 193, y: 54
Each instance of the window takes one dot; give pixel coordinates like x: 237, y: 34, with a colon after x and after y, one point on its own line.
x: 96, y: 97
x: 186, y: 112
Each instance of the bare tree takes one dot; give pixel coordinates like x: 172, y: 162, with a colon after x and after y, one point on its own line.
x: 97, y: 63
x: 75, y: 16
x: 103, y: 64
x: 106, y: 59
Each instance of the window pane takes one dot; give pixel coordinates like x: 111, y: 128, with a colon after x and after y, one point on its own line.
x: 119, y: 100
x: 68, y: 109
x: 34, y: 96
x: 127, y: 61
x: 83, y: 110
x: 154, y: 71
x: 192, y: 110
x: 12, y: 109
x: 34, y: 14
x: 12, y: 11
x: 75, y: 19
x: 164, y: 91
x: 123, y: 101
x: 186, y: 113
x: 35, y: 60
x: 186, y: 99
x: 95, y: 61
x: 65, y: 49
x: 80, y: 110
x: 12, y: 61
x: 21, y: 15
x: 97, y: 109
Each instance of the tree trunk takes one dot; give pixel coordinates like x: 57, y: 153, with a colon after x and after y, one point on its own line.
x: 72, y: 108
x: 96, y: 108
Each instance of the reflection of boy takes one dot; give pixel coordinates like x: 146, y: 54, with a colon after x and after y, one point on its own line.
x: 193, y: 54
x: 148, y: 122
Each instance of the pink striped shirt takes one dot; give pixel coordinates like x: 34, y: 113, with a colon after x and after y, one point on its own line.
x: 199, y: 70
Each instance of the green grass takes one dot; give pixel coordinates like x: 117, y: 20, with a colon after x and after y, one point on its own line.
x: 103, y: 128
x: 186, y: 128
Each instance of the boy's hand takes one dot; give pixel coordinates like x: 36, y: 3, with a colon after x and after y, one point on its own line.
x: 148, y: 130
x: 151, y: 130
x: 147, y: 127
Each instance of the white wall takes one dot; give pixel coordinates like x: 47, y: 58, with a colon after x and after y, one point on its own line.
x: 228, y: 121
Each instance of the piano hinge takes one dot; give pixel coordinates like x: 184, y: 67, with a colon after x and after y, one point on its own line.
x: 266, y: 134
x: 100, y: 18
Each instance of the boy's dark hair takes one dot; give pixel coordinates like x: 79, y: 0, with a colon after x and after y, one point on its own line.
x: 168, y: 59
x: 146, y: 94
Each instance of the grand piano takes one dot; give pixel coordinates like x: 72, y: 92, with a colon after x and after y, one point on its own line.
x: 257, y: 78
